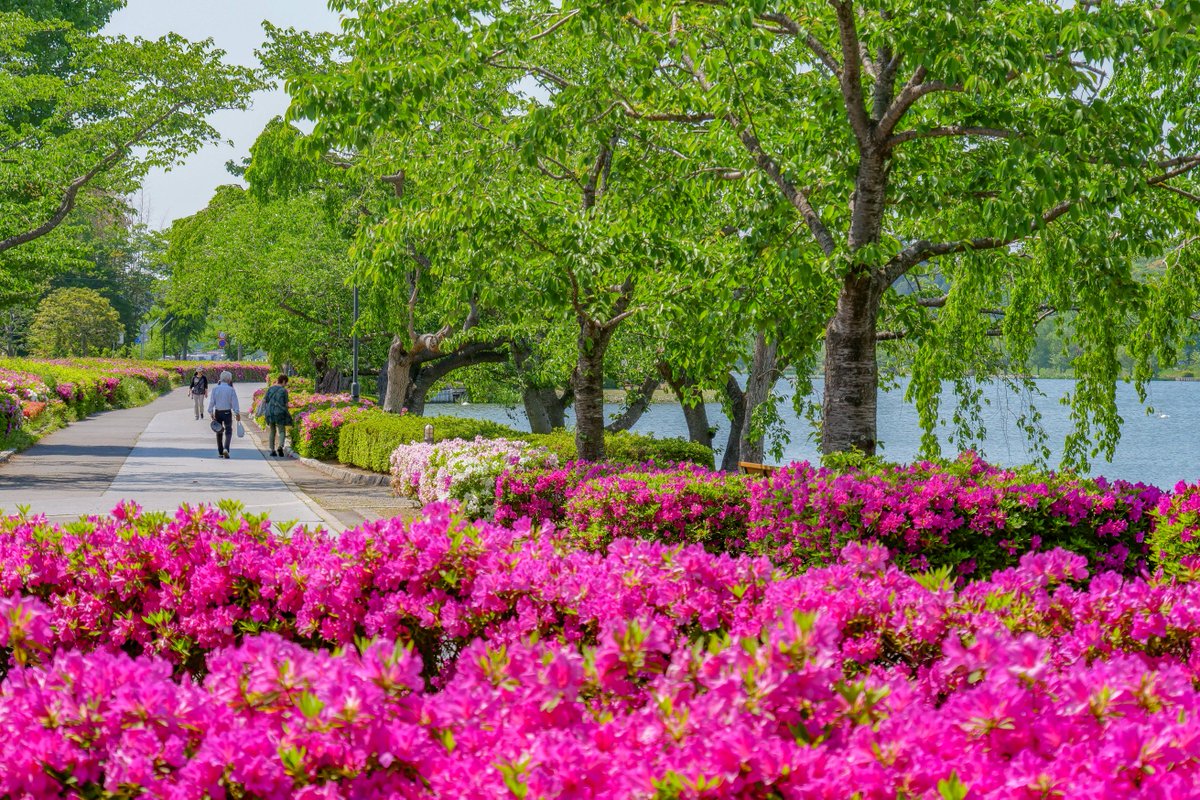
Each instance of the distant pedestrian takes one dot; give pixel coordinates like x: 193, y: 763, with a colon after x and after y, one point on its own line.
x: 223, y: 406
x: 275, y: 411
x: 199, y: 391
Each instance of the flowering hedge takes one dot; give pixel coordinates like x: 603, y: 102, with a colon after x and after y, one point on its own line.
x: 540, y: 671
x: 542, y: 494
x: 317, y: 432
x: 73, y: 388
x: 966, y: 515
x: 316, y: 419
x: 461, y: 470
x: 682, y: 505
x: 969, y: 515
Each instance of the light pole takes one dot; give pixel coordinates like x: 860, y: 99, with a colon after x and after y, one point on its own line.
x: 354, y: 349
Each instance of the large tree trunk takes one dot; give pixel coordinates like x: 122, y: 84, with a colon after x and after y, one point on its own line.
x: 851, y: 368
x: 399, y: 376
x: 764, y: 372
x: 535, y: 411
x: 849, y: 413
x: 694, y: 412
x: 733, y: 445
x: 642, y: 396
x: 588, y: 382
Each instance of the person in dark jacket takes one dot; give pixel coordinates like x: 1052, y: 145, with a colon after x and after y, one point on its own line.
x: 199, y: 392
x: 275, y: 411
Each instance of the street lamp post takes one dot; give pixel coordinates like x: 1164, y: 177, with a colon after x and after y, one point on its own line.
x: 354, y: 348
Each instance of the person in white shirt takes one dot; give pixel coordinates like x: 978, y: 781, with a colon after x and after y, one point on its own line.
x: 223, y: 407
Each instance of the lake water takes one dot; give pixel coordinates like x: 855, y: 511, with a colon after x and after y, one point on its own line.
x: 1159, y: 448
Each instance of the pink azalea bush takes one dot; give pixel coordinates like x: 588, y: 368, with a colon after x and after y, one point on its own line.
x: 25, y: 385
x: 462, y: 470
x: 686, y: 504
x: 970, y: 515
x: 542, y: 494
x: 647, y: 671
x: 318, y: 429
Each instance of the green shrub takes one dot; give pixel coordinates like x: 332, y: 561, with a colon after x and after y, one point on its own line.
x: 368, y: 442
x: 629, y: 448
x: 1175, y: 537
x: 685, y: 505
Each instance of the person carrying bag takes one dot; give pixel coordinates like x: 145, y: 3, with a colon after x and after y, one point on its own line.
x: 275, y: 411
x: 223, y: 406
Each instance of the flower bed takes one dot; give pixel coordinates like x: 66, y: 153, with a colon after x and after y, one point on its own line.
x: 968, y: 516
x: 542, y: 671
x: 682, y: 505
x: 461, y: 470
x: 317, y: 432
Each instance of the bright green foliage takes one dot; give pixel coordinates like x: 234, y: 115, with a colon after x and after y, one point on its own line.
x: 368, y: 443
x: 933, y: 180
x: 113, y: 110
x: 74, y: 322
x: 627, y: 447
x: 274, y: 273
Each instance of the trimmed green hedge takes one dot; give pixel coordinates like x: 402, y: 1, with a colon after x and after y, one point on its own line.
x: 368, y: 443
x: 628, y: 448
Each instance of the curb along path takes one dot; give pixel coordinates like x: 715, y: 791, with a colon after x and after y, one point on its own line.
x: 160, y: 456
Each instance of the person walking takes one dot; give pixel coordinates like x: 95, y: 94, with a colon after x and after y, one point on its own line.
x: 223, y: 406
x: 199, y: 392
x: 275, y: 411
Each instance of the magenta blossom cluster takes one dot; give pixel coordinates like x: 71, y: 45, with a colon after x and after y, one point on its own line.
x: 25, y: 385
x: 651, y: 671
x: 968, y: 515
x: 684, y: 504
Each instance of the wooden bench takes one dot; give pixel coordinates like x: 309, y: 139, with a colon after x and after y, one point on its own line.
x: 749, y: 468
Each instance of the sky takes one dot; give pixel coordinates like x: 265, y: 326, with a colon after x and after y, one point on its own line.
x: 236, y: 27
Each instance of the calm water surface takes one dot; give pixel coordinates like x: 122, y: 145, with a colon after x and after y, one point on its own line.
x: 1158, y: 448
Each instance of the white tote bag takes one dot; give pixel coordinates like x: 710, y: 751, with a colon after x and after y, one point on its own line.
x: 241, y: 430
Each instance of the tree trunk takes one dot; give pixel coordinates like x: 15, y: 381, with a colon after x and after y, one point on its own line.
x: 588, y: 381
x: 764, y: 372
x: 399, y: 376
x: 694, y: 412
x: 634, y: 410
x: 535, y: 410
x: 737, y: 405
x: 330, y: 381
x: 851, y: 368
x: 556, y: 405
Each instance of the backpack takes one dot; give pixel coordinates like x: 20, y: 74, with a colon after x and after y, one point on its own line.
x: 275, y: 406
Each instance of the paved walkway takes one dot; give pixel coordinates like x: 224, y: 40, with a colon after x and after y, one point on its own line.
x: 161, y: 456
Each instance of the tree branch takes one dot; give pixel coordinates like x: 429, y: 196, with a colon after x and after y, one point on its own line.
x: 791, y: 27
x: 851, y: 77
x: 67, y: 204
x: 946, y: 131
x: 921, y: 250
